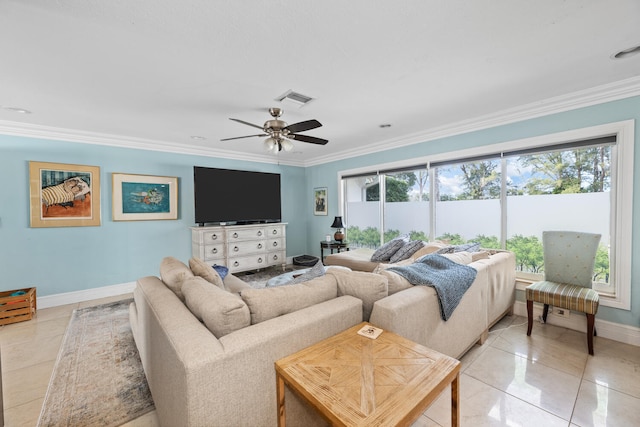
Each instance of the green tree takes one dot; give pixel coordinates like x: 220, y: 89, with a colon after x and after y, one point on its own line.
x: 601, y: 268
x: 528, y: 251
x: 390, y: 235
x: 481, y: 180
x: 418, y: 235
x: 487, y: 241
x: 452, y: 239
x: 396, y: 191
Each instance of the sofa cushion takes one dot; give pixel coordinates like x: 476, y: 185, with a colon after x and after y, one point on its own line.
x: 222, y: 312
x: 396, y: 282
x: 368, y: 287
x: 386, y: 251
x: 267, y: 303
x: 462, y: 257
x: 204, y: 270
x: 429, y: 248
x: 173, y: 273
x: 407, y: 250
x: 475, y: 256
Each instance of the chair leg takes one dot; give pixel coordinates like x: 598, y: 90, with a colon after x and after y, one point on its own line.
x: 529, y: 316
x: 545, y: 312
x: 590, y: 331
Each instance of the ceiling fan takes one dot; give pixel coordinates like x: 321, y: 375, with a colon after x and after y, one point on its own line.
x: 280, y: 133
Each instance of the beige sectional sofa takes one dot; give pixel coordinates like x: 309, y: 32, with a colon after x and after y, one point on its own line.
x: 208, y: 346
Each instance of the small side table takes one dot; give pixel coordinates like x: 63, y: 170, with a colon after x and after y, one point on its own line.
x: 334, y: 244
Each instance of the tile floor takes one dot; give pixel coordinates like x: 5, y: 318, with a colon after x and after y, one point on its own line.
x: 512, y: 380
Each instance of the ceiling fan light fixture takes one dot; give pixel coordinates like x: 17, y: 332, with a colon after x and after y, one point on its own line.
x: 271, y: 145
x: 286, y: 145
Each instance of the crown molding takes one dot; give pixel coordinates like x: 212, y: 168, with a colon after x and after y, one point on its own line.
x: 593, y: 96
x: 597, y: 95
x: 84, y: 137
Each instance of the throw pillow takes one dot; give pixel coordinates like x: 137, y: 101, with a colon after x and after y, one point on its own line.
x: 221, y: 270
x: 204, y: 270
x: 386, y: 251
x: 468, y: 247
x: 173, y: 273
x: 315, y: 271
x: 267, y: 303
x: 407, y: 250
x: 222, y: 312
x: 368, y: 287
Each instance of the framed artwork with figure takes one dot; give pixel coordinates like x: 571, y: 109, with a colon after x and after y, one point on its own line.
x: 144, y: 197
x: 64, y: 195
x: 320, y: 201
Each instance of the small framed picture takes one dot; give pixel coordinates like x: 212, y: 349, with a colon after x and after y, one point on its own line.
x: 320, y: 201
x: 144, y: 197
x: 64, y: 195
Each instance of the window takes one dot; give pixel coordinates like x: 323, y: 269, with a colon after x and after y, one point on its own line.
x: 505, y: 195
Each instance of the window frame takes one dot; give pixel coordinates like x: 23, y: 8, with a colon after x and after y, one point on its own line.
x: 621, y: 184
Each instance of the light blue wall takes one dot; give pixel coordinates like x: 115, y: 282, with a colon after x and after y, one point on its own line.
x: 58, y: 260
x: 326, y: 175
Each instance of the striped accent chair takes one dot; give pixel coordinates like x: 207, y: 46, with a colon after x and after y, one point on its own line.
x: 569, y: 258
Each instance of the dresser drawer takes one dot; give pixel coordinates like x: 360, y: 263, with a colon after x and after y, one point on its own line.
x: 240, y: 234
x: 244, y: 248
x: 274, y: 231
x: 275, y: 244
x: 276, y: 258
x: 214, y: 252
x: 252, y: 262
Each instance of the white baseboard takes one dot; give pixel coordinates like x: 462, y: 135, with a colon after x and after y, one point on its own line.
x: 85, y: 295
x: 614, y: 331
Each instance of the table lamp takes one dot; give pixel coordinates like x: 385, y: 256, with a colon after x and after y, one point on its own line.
x: 337, y: 223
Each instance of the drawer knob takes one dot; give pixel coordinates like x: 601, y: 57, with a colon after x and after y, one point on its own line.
x: 259, y: 260
x: 236, y: 249
x: 214, y: 237
x: 214, y: 250
x: 235, y: 235
x: 275, y: 244
x: 275, y: 257
x: 259, y: 233
x: 275, y: 231
x: 235, y: 264
x: 259, y: 245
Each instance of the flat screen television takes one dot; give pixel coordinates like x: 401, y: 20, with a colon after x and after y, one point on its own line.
x: 243, y: 197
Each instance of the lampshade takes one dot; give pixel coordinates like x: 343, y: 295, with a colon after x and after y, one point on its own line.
x: 286, y: 145
x: 270, y: 144
x: 337, y: 222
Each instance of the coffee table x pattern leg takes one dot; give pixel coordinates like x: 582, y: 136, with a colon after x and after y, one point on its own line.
x: 353, y: 380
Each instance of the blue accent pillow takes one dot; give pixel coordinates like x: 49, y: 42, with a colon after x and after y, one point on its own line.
x: 468, y: 247
x: 315, y: 271
x: 221, y: 270
x: 407, y: 250
x: 386, y: 251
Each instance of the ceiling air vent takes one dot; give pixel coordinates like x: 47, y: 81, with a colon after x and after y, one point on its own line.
x: 295, y: 98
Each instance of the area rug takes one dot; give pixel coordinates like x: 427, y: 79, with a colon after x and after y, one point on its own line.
x: 98, y: 378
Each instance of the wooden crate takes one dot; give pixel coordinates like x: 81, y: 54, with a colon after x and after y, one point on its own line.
x: 18, y: 308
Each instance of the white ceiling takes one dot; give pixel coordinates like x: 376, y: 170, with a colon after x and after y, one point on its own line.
x: 153, y: 73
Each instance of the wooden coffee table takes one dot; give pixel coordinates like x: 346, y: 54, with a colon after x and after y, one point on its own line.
x: 352, y: 380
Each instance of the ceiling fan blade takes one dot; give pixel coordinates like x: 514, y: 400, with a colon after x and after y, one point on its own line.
x: 246, y: 123
x: 307, y: 138
x: 240, y: 137
x: 302, y: 126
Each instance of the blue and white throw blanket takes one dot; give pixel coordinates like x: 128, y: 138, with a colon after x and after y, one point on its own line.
x: 450, y: 279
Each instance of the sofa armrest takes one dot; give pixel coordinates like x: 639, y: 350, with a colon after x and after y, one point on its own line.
x: 237, y: 387
x: 414, y: 313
